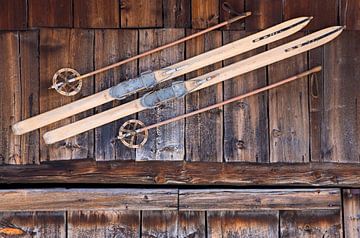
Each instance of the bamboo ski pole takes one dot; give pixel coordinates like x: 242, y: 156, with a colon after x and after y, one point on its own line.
x: 149, y: 100
x: 131, y: 86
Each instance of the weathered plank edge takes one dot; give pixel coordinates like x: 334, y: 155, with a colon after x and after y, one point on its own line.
x: 185, y: 173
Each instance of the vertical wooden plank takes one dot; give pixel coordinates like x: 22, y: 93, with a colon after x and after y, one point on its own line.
x: 165, y: 142
x: 243, y: 224
x: 10, y: 98
x: 310, y: 223
x: 59, y: 49
x: 325, y: 12
x: 237, y: 5
x: 350, y: 14
x: 265, y: 13
x: 141, y: 13
x: 159, y: 224
x: 177, y: 13
x: 341, y: 124
x: 245, y: 121
x: 12, y: 14
x: 289, y: 111
x: 204, y: 132
x: 96, y: 13
x: 105, y: 224
x: 30, y: 85
x: 204, y: 13
x: 351, y: 203
x: 35, y: 224
x: 191, y: 224
x: 112, y: 46
x: 50, y: 13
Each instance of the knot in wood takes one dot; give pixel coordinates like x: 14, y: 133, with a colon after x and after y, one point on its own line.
x: 240, y: 144
x: 276, y: 133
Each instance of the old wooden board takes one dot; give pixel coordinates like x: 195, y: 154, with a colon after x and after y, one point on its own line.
x: 177, y: 13
x: 351, y: 200
x: 350, y: 14
x: 13, y: 14
x: 204, y: 13
x: 264, y: 14
x: 159, y: 224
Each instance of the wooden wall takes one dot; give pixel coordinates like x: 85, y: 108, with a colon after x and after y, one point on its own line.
x: 307, y: 124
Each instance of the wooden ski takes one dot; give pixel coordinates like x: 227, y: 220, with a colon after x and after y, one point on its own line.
x: 179, y: 89
x: 150, y: 79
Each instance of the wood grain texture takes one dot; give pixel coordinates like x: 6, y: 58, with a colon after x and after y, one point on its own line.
x: 320, y: 223
x: 236, y: 5
x: 96, y: 14
x: 103, y: 224
x: 141, y: 13
x: 341, y: 123
x: 165, y: 142
x: 325, y: 12
x: 204, y: 131
x: 112, y: 46
x: 50, y: 13
x: 59, y: 49
x: 253, y: 199
x: 288, y: 110
x: 242, y: 224
x: 10, y: 98
x: 159, y: 224
x: 265, y: 13
x: 195, y: 173
x: 36, y: 224
x: 351, y: 201
x: 245, y: 121
x: 350, y: 14
x: 89, y: 199
x: 177, y: 13
x: 29, y: 61
x: 13, y: 14
x: 204, y: 13
x: 191, y: 224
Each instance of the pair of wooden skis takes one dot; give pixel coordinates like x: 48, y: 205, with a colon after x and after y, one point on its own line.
x: 180, y: 89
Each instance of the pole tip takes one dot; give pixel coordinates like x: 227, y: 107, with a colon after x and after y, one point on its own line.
x: 246, y: 14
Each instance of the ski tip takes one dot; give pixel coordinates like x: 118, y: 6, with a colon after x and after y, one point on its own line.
x: 310, y: 18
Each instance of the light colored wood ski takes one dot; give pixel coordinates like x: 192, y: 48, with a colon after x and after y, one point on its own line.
x: 259, y: 39
x: 260, y: 60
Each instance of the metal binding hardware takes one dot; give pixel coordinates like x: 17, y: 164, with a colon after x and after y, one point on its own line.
x: 170, y: 71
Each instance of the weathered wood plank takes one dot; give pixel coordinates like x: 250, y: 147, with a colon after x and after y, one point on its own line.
x: 50, y: 13
x: 246, y: 121
x: 89, y: 199
x: 159, y: 224
x: 236, y: 5
x: 59, y: 49
x: 177, y: 13
x: 204, y: 13
x: 259, y: 199
x: 104, y: 224
x: 341, y: 123
x: 289, y: 110
x: 243, y: 224
x: 320, y: 223
x: 351, y: 201
x: 165, y: 142
x: 166, y: 172
x: 29, y: 60
x: 350, y: 14
x: 265, y: 13
x: 325, y: 12
x: 191, y: 224
x: 34, y: 224
x: 204, y: 132
x: 10, y: 98
x: 112, y: 46
x: 96, y: 13
x: 141, y: 13
x: 13, y: 14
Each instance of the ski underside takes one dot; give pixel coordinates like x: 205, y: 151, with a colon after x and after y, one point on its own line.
x: 180, y: 89
x: 150, y: 79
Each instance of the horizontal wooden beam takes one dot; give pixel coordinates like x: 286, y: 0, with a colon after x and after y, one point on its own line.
x: 259, y: 199
x: 88, y: 199
x: 186, y: 173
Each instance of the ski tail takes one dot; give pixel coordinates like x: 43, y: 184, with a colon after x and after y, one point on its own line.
x: 279, y: 53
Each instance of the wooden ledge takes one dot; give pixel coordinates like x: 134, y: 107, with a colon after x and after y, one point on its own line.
x: 184, y: 173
